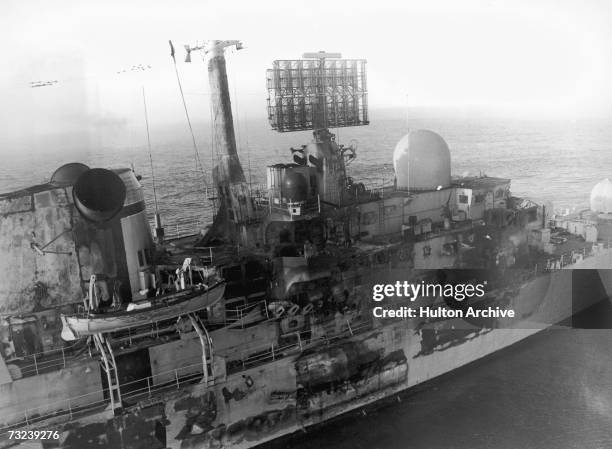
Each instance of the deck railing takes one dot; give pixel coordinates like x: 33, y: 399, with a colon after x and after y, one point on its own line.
x: 559, y: 261
x: 178, y: 229
x: 44, y: 361
x: 79, y: 404
x: 59, y: 358
x: 169, y: 380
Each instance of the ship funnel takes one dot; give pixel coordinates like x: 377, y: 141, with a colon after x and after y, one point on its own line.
x: 99, y: 194
x: 68, y: 174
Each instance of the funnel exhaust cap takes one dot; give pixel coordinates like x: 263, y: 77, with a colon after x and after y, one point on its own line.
x: 99, y: 194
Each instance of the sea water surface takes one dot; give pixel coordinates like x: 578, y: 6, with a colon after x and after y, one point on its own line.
x: 552, y: 391
x: 557, y: 161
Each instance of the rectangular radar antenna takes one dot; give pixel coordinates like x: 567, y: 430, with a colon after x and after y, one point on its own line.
x: 317, y: 92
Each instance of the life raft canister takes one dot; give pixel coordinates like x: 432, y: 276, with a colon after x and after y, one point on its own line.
x: 278, y: 312
x: 294, y: 309
x: 306, y: 310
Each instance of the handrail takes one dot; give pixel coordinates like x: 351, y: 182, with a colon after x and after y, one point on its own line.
x: 177, y: 230
x: 57, y: 349
x: 240, y: 313
x: 567, y: 258
x: 37, y: 366
x: 30, y: 415
x: 272, y: 352
x: 38, y: 360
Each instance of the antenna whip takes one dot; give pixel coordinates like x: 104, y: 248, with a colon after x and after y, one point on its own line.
x: 195, y: 146
x: 144, y: 102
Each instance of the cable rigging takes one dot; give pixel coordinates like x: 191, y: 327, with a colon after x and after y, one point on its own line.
x: 195, y: 146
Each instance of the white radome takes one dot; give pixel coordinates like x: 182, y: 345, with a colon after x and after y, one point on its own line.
x: 422, y: 161
x: 601, y: 197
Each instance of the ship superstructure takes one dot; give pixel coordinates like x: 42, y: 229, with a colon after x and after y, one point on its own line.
x: 264, y: 325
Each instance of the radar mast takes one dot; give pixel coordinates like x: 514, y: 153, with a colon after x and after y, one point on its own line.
x: 314, y: 93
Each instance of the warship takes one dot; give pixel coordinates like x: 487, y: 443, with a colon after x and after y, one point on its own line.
x: 292, y: 307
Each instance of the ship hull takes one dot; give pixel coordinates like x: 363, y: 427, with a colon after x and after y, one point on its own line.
x: 557, y: 305
x: 302, y: 389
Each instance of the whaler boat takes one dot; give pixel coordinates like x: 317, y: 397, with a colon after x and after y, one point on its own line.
x: 140, y: 313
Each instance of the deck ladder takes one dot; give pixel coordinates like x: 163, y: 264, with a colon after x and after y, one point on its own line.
x: 110, y: 368
x: 205, y: 341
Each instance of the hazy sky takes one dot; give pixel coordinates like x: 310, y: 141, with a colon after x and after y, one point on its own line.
x: 523, y: 58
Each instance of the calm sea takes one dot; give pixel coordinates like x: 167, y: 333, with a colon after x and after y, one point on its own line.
x: 557, y: 161
x: 552, y: 391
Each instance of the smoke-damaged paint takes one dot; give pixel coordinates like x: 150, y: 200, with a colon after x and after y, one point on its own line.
x: 142, y: 428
